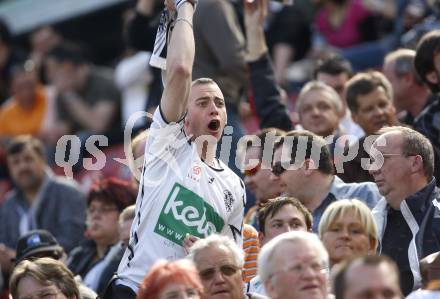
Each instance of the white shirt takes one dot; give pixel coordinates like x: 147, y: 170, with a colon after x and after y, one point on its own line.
x: 256, y: 286
x: 178, y: 194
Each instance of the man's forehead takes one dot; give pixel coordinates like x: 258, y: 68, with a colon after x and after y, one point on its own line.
x: 253, y: 151
x: 213, y: 256
x: 379, y: 273
x: 299, y: 251
x: 278, y: 151
x: 330, y: 79
x: 201, y: 89
x: 277, y: 214
x: 390, y: 139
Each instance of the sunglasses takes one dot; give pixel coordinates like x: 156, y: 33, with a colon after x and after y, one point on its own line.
x: 227, y: 270
x: 252, y: 171
x: 278, y: 169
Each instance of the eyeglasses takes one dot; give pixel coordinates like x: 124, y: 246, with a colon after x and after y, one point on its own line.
x: 278, y: 169
x: 102, y: 210
x: 44, y: 294
x: 252, y: 171
x: 300, y: 269
x: 382, y: 156
x: 209, y: 273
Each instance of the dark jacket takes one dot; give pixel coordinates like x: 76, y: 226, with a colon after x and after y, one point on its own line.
x: 82, y: 259
x: 61, y: 210
x: 422, y: 214
x: 428, y: 123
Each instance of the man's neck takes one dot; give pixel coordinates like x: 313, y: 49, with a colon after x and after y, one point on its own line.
x: 103, y: 245
x: 410, y: 188
x: 207, y: 153
x: 30, y: 194
x: 320, y: 189
x: 417, y: 104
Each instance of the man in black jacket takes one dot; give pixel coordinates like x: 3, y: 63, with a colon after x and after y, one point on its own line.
x: 408, y: 219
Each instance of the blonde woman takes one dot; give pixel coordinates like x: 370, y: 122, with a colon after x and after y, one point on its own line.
x: 347, y: 229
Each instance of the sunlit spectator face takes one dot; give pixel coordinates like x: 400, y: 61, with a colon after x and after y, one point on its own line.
x: 346, y: 237
x: 375, y: 111
x: 221, y: 276
x: 102, y: 221
x: 29, y: 288
x: 178, y: 291
x: 206, y: 114
x: 257, y: 179
x: 394, y: 174
x: 371, y: 282
x: 27, y: 168
x: 318, y: 113
x: 292, y: 180
x: 24, y: 88
x: 287, y: 219
x: 299, y: 273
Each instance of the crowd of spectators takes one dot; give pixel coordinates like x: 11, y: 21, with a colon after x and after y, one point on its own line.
x: 331, y: 128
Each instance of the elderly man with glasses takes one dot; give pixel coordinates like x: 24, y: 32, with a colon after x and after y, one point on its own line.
x: 220, y: 262
x: 303, y: 165
x: 408, y: 218
x: 294, y: 265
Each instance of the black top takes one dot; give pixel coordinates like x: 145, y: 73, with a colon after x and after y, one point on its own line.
x: 395, y: 243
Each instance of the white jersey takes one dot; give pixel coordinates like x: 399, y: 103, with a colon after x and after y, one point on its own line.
x: 255, y: 286
x: 179, y: 194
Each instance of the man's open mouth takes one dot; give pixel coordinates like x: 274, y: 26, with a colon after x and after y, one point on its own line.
x: 214, y: 125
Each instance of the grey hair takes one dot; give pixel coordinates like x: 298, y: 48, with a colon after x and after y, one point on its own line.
x: 321, y: 86
x: 127, y: 214
x: 265, y: 258
x: 217, y: 241
x: 403, y: 63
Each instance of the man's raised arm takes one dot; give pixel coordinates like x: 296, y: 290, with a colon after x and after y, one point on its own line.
x: 267, y: 96
x: 180, y: 58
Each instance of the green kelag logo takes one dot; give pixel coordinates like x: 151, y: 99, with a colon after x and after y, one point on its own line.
x: 186, y: 212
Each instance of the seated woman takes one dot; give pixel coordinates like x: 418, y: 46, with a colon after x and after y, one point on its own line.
x: 177, y: 279
x: 43, y: 278
x: 98, y: 258
x: 347, y: 229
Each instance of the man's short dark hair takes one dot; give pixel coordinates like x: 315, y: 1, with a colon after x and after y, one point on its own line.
x: 340, y: 270
x: 19, y: 143
x: 363, y: 84
x: 333, y: 65
x: 427, y: 48
x: 274, y: 205
x: 404, y: 63
x: 314, y: 142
